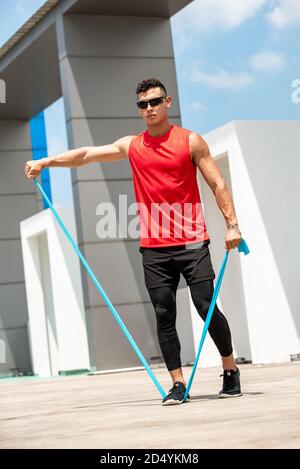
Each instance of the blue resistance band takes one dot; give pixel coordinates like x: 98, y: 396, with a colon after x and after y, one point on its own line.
x: 241, y: 248
x: 103, y: 294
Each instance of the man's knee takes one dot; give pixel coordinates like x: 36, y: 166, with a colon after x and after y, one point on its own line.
x: 202, y: 306
x: 165, y: 315
x: 164, y: 303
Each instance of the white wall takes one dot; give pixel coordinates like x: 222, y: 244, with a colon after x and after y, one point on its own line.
x: 260, y: 294
x: 57, y: 328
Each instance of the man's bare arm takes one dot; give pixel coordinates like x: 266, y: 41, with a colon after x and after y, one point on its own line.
x: 81, y: 156
x: 201, y: 156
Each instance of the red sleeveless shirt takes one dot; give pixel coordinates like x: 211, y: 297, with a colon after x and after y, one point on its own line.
x: 166, y: 189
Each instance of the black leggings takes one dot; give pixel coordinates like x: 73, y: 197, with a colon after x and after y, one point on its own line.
x: 164, y: 303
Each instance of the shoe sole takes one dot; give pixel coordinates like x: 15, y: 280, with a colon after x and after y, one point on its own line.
x: 172, y: 402
x: 225, y: 396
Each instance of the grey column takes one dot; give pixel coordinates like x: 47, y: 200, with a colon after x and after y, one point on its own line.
x: 101, y: 61
x: 17, y: 202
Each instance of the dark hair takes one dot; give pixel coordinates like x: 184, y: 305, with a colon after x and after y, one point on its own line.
x: 150, y: 83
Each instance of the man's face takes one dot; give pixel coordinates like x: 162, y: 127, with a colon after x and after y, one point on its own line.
x: 154, y: 115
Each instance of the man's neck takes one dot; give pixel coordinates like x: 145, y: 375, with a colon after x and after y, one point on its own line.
x: 159, y: 130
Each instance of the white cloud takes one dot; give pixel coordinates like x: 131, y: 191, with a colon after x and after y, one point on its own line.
x: 20, y: 7
x: 267, y: 61
x: 197, y: 106
x: 285, y: 13
x: 221, y: 79
x: 208, y: 15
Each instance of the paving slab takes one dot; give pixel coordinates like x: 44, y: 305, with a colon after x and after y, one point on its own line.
x: 123, y: 410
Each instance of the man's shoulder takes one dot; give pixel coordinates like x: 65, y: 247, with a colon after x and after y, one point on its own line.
x: 195, y: 138
x: 191, y: 133
x: 124, y: 143
x: 180, y: 128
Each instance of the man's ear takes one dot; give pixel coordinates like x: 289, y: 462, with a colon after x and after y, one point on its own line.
x: 169, y: 101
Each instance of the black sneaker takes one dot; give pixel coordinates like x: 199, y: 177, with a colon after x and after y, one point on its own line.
x: 231, y: 384
x: 176, y: 394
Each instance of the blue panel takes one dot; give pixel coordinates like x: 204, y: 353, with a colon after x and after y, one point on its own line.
x: 39, y: 150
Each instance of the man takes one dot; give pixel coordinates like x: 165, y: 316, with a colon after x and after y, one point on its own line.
x: 164, y: 161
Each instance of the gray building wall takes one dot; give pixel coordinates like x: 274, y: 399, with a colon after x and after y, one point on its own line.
x: 101, y: 61
x: 94, y: 62
x: 17, y: 201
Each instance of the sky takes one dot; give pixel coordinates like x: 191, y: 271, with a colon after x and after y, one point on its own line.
x: 235, y: 59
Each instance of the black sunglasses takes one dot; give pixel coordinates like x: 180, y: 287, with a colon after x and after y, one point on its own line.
x: 153, y: 102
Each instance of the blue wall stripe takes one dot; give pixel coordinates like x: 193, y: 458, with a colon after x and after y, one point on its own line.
x: 39, y: 150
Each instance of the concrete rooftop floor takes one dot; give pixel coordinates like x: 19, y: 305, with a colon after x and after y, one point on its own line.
x: 122, y: 410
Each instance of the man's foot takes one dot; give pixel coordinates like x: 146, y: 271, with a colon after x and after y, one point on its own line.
x: 176, y: 395
x: 231, y: 384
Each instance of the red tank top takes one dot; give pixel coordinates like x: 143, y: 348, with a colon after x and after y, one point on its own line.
x: 166, y: 189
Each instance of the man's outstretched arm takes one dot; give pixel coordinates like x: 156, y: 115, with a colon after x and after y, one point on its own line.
x: 81, y: 156
x: 201, y: 156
